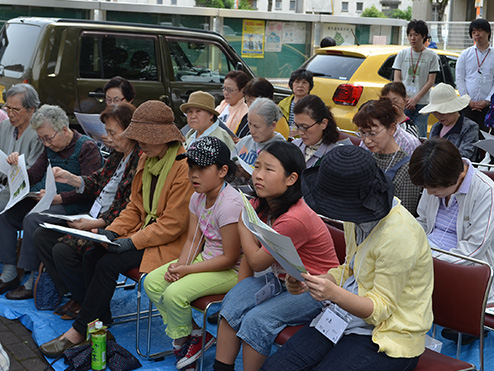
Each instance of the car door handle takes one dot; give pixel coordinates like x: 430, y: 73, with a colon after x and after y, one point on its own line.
x: 165, y: 99
x: 98, y: 95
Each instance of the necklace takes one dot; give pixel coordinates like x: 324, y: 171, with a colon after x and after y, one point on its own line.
x: 390, y: 162
x: 414, y: 68
x: 479, y: 64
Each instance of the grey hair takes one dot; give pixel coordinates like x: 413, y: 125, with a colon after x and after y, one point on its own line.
x: 53, y: 115
x: 267, y: 109
x: 30, y: 97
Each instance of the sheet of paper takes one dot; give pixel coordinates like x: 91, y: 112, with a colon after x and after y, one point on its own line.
x: 69, y: 218
x: 78, y: 233
x: 4, y: 166
x: 18, y: 182
x: 50, y: 192
x: 92, y: 125
x: 486, y: 144
x: 249, y: 169
x: 280, y: 247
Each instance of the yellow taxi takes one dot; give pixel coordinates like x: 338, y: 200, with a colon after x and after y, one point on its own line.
x: 345, y: 77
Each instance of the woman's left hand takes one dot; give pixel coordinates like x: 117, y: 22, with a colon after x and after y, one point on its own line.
x: 179, y: 271
x: 320, y: 287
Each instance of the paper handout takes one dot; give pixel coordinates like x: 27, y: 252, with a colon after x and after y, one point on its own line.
x: 78, y: 233
x: 69, y: 218
x: 280, y: 247
x: 18, y: 181
x: 92, y: 125
x: 50, y: 192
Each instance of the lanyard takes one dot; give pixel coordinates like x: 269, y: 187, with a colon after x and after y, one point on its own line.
x: 479, y: 64
x: 414, y: 68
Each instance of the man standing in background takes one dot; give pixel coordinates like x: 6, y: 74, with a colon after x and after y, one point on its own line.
x: 416, y: 68
x: 475, y: 72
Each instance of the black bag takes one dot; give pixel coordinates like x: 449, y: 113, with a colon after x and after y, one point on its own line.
x: 46, y: 296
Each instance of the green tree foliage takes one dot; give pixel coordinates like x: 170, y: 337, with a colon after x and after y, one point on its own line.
x: 373, y: 12
x: 228, y: 4
x: 402, y: 14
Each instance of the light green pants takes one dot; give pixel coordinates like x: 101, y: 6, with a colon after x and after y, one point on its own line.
x: 173, y: 299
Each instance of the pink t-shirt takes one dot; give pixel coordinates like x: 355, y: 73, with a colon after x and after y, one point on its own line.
x: 232, y: 117
x: 226, y: 210
x: 309, y: 235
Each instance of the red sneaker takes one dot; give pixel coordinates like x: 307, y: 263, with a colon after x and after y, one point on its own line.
x: 194, y: 350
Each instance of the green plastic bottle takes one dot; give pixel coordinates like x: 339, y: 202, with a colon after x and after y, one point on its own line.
x: 98, y: 344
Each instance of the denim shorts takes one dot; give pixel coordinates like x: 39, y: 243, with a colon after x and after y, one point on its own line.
x: 259, y: 325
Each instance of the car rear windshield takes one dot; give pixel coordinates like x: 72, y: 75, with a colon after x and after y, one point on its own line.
x: 17, y: 46
x: 333, y: 66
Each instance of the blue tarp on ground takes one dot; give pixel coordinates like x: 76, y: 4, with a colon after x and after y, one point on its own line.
x: 45, y: 326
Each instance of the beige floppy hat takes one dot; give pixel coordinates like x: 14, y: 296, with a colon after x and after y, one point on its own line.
x: 200, y: 99
x: 444, y: 99
x: 152, y: 123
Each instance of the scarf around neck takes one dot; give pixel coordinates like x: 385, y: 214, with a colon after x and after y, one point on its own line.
x: 160, y: 168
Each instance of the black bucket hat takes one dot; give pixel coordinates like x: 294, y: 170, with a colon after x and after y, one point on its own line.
x: 348, y: 186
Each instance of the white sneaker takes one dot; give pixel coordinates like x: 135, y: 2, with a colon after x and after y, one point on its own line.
x: 4, y: 360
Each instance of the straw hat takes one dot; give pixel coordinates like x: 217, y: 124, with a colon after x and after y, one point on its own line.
x: 152, y: 123
x: 200, y: 99
x: 443, y: 99
x: 348, y: 186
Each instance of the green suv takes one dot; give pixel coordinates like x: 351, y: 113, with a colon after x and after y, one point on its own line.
x: 69, y: 61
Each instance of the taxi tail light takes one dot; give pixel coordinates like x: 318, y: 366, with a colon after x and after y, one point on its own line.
x: 26, y: 81
x: 347, y: 94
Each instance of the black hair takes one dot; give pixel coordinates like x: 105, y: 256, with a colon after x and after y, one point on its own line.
x: 259, y: 87
x: 124, y: 85
x: 419, y: 26
x: 317, y: 110
x: 293, y: 161
x: 301, y: 74
x: 232, y: 168
x: 381, y: 110
x: 240, y: 78
x: 327, y: 41
x: 436, y: 163
x: 480, y: 24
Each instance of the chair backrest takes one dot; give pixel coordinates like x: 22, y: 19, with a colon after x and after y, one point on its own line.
x: 355, y: 140
x: 460, y: 296
x: 339, y: 241
x: 489, y: 173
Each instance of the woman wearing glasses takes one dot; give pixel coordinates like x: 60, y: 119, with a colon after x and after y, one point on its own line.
x: 16, y: 135
x: 118, y: 90
x: 233, y: 107
x: 64, y: 148
x: 317, y: 129
x: 377, y: 125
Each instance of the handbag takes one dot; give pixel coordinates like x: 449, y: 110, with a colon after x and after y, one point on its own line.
x: 46, y: 296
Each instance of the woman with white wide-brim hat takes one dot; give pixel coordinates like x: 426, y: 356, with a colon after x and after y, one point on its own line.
x: 447, y: 106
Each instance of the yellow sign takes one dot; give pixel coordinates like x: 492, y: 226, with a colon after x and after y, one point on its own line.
x: 253, y: 38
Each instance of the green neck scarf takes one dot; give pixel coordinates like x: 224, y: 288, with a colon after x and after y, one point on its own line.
x: 160, y: 168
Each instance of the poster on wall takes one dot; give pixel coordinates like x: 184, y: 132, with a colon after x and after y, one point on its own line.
x: 342, y: 34
x: 253, y: 38
x: 293, y: 33
x: 274, y: 31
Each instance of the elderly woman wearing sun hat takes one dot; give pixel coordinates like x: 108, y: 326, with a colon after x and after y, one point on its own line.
x: 453, y: 125
x: 149, y: 232
x: 382, y: 294
x: 202, y: 118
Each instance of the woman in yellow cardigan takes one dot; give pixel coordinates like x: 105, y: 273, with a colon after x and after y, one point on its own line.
x: 378, y: 304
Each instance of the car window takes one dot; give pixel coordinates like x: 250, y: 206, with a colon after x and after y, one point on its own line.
x: 333, y: 66
x: 198, y: 61
x: 129, y: 56
x: 448, y: 70
x: 17, y: 46
x: 386, y: 69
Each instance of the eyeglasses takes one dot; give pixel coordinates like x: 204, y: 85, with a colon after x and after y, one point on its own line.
x: 115, y: 100
x: 370, y: 134
x: 305, y: 128
x: 47, y: 140
x: 228, y: 90
x: 13, y: 110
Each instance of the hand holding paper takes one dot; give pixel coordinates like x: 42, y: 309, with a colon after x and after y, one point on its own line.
x: 13, y: 158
